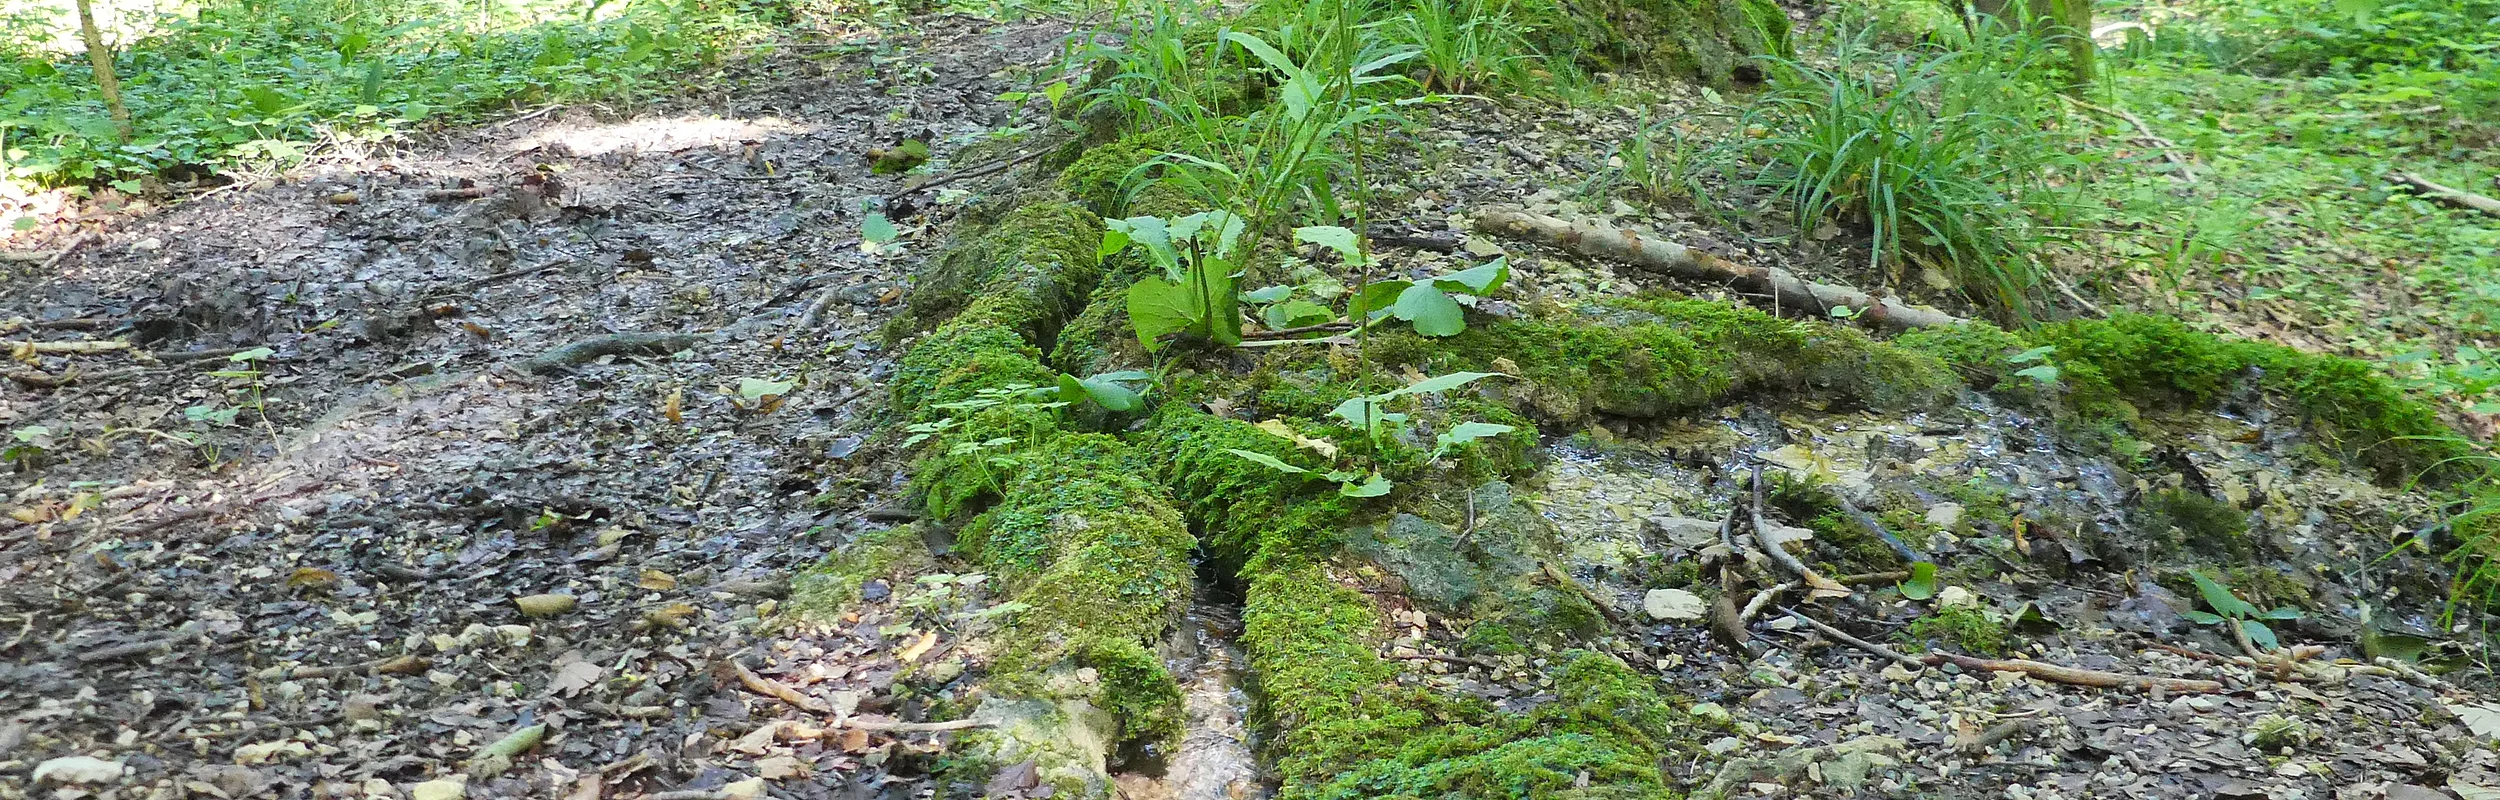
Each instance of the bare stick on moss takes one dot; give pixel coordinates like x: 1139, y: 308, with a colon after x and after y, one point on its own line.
x: 1868, y: 522
x: 1787, y: 291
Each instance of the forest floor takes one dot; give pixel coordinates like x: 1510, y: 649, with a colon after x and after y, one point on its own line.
x: 354, y: 562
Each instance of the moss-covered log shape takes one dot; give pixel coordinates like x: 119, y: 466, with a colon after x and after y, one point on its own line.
x: 1714, y: 42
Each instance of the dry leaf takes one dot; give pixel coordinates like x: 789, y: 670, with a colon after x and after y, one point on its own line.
x: 917, y: 649
x: 673, y: 615
x: 854, y: 740
x: 780, y: 768
x: 757, y: 741
x: 674, y: 407
x: 1278, y: 427
x: 311, y: 577
x: 574, y: 676
x: 657, y: 581
x: 545, y: 605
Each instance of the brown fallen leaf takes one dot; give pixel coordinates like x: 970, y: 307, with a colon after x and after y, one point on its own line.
x: 854, y: 740
x: 657, y: 581
x: 573, y: 676
x: 912, y: 653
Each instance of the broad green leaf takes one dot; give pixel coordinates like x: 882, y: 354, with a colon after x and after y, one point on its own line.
x: 249, y: 356
x: 2201, y: 617
x: 1349, y: 247
x: 1432, y: 311
x: 1441, y: 383
x: 1109, y: 395
x: 2220, y: 598
x: 1273, y: 57
x: 2286, y: 612
x: 1271, y: 462
x: 1124, y: 375
x: 1268, y: 295
x: 2259, y: 633
x: 876, y: 229
x: 2033, y: 354
x: 1479, y: 281
x: 1295, y: 314
x: 1375, y: 299
x: 1922, y: 582
x: 1374, y: 487
x: 1152, y: 234
x: 1114, y: 240
x: 754, y: 389
x: 1157, y: 307
x: 1466, y: 432
x: 2043, y: 373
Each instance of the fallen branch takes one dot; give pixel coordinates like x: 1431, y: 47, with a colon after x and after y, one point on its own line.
x: 182, y: 356
x: 1868, y: 522
x: 1762, y: 600
x: 185, y: 634
x: 2054, y: 673
x: 778, y: 691
x: 886, y: 726
x: 31, y: 349
x: 83, y: 240
x: 614, y: 344
x: 1459, y: 660
x: 462, y: 193
x: 2450, y: 195
x: 1817, y: 586
x: 816, y: 309
x: 974, y: 171
x: 1658, y: 255
x: 394, y: 665
x: 2169, y: 149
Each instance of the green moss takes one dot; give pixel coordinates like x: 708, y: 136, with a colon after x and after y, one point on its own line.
x: 1102, y: 178
x: 1137, y: 688
x: 1966, y: 628
x: 1242, y: 508
x: 1493, y: 637
x: 1604, y: 736
x: 1028, y: 273
x: 1976, y: 350
x: 1711, y: 41
x: 2201, y: 524
x: 1326, y: 695
x: 960, y: 360
x: 827, y: 590
x: 1099, y: 340
x: 1656, y: 357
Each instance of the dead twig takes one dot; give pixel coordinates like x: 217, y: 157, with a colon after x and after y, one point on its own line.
x: 778, y: 691
x: 1762, y: 600
x: 30, y: 349
x: 2054, y: 673
x: 2169, y: 149
x: 394, y: 665
x: 614, y: 344
x: 974, y: 171
x: 1460, y: 660
x: 462, y: 193
x: 83, y: 240
x: 188, y: 632
x: 2450, y: 195
x: 1816, y: 585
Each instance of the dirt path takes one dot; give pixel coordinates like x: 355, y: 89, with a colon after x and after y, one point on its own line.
x: 321, y: 601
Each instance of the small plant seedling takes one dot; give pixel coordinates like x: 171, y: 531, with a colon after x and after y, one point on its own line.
x: 2229, y: 609
x: 1922, y: 583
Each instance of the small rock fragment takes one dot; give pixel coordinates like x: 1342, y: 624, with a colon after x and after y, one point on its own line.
x: 79, y: 770
x: 445, y: 789
x: 1672, y: 605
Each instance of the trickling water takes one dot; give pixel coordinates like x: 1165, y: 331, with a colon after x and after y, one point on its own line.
x: 1214, y: 760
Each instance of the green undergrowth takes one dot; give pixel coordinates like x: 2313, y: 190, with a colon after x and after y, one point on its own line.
x: 264, y: 84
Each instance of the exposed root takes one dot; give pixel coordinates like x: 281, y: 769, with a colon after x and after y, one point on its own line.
x: 1788, y: 292
x: 1817, y: 586
x: 777, y: 690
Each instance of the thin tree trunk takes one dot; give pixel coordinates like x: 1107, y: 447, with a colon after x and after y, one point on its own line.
x: 102, y: 58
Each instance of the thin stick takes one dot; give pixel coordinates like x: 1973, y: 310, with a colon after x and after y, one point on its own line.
x: 1762, y: 600
x: 83, y: 240
x: 2450, y: 195
x: 2169, y: 149
x: 2055, y: 673
x: 778, y: 691
x: 975, y: 171
x: 1816, y: 584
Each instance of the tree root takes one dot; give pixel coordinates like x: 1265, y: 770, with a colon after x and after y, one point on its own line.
x: 1787, y: 291
x: 1816, y: 585
x: 614, y: 344
x: 778, y: 691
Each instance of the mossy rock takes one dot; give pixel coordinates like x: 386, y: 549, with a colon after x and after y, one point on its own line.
x: 828, y: 589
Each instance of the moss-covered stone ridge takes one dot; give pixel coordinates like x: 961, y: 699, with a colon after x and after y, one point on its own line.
x: 2107, y: 371
x: 1088, y: 547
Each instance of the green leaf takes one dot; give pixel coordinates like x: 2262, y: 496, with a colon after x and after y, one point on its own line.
x: 1367, y: 414
x: 2259, y: 633
x: 876, y: 229
x: 1157, y: 307
x: 1103, y: 391
x: 249, y: 356
x: 1271, y: 462
x: 1273, y: 57
x: 2201, y: 617
x: 1374, y: 487
x: 1480, y: 281
x: 1152, y: 234
x: 1432, y: 311
x: 755, y: 389
x: 1295, y: 314
x: 1268, y: 295
x: 1922, y: 582
x: 1114, y: 240
x: 1441, y: 383
x: 2285, y: 612
x: 1348, y: 246
x: 1375, y: 299
x: 2221, y: 599
x: 2043, y: 373
x: 2033, y: 354
x: 1466, y: 432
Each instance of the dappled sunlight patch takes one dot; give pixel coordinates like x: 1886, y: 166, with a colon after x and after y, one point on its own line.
x: 656, y: 135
